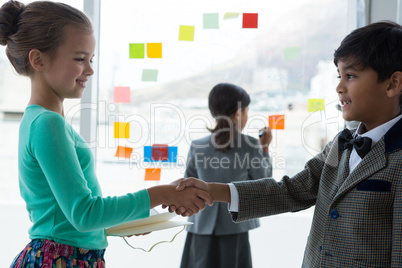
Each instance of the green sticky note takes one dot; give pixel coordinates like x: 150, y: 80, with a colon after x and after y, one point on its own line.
x: 230, y: 15
x: 186, y: 33
x: 211, y: 21
x: 292, y: 53
x: 149, y: 75
x: 137, y: 51
x: 316, y: 105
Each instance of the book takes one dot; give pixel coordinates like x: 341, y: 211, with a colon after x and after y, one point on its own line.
x: 154, y: 222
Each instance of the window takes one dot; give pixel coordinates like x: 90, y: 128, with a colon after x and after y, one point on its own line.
x: 279, y: 52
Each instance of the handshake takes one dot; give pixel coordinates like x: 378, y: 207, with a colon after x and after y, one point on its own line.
x: 188, y: 196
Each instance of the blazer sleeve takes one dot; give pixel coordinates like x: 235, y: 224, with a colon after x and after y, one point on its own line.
x: 266, y: 197
x: 397, y: 228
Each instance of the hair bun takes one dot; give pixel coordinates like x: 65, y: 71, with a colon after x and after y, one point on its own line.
x: 9, y: 17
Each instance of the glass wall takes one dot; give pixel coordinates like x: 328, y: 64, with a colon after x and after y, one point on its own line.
x: 284, y: 61
x: 158, y: 60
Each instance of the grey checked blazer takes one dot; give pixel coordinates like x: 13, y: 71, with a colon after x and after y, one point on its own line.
x: 245, y: 161
x: 358, y: 216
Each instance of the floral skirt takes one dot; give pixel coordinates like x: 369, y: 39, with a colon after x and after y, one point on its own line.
x: 46, y: 253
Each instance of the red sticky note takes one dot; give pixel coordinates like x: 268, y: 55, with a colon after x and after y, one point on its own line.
x: 122, y: 94
x: 124, y: 152
x: 250, y: 20
x: 153, y: 174
x: 276, y: 121
x: 160, y: 152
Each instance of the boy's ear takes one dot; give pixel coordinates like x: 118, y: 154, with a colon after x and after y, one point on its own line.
x: 395, y: 86
x: 36, y: 59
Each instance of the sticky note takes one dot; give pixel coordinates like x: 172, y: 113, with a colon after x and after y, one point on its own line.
x: 171, y: 157
x: 276, y: 121
x: 160, y: 152
x: 124, y: 152
x: 154, y: 50
x: 250, y: 20
x: 186, y: 33
x: 315, y: 105
x: 122, y: 94
x: 211, y: 21
x: 292, y: 53
x: 137, y: 51
x: 230, y: 15
x: 153, y: 174
x: 121, y: 130
x: 149, y: 75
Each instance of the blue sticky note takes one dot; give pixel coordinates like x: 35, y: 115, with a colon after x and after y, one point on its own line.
x: 172, y: 154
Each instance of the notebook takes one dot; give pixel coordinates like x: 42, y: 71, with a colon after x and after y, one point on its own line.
x: 154, y: 222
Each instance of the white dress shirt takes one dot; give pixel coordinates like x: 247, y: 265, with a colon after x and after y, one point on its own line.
x: 375, y: 135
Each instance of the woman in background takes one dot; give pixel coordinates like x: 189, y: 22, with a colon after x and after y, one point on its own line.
x: 214, y: 240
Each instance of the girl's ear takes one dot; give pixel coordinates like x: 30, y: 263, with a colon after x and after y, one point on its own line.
x: 36, y: 59
x: 395, y: 86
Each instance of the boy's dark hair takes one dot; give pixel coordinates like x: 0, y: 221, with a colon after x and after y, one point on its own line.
x: 377, y: 45
x: 223, y: 101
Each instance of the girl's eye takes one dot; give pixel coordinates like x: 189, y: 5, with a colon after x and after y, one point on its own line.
x: 79, y: 59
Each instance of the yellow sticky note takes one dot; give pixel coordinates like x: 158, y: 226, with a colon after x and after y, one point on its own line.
x: 276, y: 121
x: 230, y: 15
x: 121, y: 130
x: 153, y: 174
x: 124, y: 152
x: 154, y: 50
x: 315, y: 105
x: 186, y: 33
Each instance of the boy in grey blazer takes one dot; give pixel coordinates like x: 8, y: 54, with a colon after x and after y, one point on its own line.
x: 355, y: 183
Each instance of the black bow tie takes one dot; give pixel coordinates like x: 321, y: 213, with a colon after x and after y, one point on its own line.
x: 362, y: 145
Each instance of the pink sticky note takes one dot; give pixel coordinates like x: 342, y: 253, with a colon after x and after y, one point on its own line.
x: 122, y: 94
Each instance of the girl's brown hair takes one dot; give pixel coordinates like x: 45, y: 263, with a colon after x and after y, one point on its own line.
x: 38, y: 25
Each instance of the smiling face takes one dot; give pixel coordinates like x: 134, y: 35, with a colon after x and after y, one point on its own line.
x: 362, y: 97
x: 68, y: 70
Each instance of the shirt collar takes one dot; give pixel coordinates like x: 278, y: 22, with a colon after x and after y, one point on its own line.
x: 376, y: 134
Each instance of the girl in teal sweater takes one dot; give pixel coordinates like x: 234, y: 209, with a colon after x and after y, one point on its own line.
x: 53, y: 44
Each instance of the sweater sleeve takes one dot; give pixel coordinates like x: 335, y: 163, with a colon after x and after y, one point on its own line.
x: 72, y: 180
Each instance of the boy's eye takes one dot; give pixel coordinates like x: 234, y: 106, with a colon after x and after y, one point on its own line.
x: 350, y: 76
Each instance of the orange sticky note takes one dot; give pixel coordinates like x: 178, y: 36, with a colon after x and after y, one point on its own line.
x: 154, y: 50
x: 124, y: 152
x: 121, y: 130
x: 122, y: 94
x: 276, y: 121
x: 153, y: 174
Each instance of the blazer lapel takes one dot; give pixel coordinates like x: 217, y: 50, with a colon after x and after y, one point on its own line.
x: 371, y: 163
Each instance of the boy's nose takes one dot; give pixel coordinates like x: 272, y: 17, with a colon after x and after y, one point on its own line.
x: 340, y: 88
